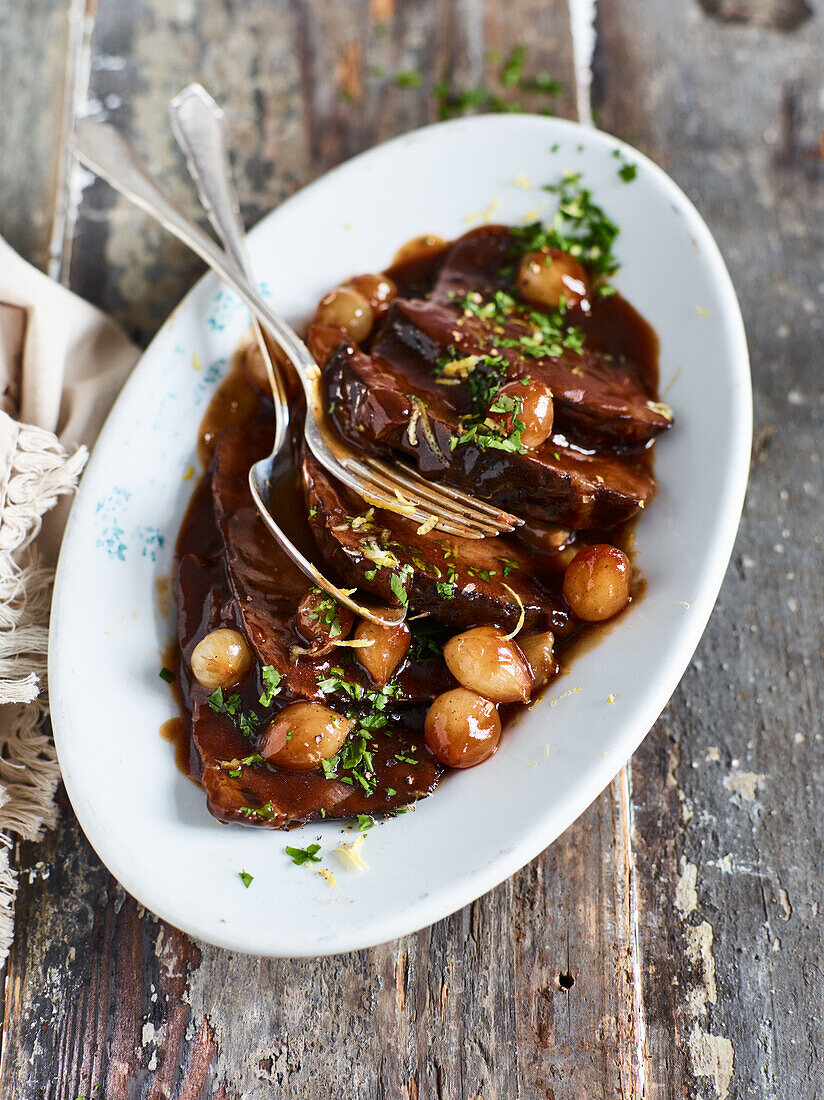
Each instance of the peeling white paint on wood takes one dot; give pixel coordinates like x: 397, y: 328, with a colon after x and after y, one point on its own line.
x: 712, y: 1056
x: 699, y: 951
x: 686, y: 897
x: 744, y: 783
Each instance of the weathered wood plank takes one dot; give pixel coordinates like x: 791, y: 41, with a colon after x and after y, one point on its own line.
x: 728, y: 821
x: 305, y: 85
x: 528, y: 993
x: 34, y: 48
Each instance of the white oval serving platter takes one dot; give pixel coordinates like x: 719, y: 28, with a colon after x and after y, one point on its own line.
x: 147, y: 822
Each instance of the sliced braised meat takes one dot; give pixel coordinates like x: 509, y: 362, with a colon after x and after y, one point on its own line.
x: 598, y: 397
x: 274, y: 797
x: 268, y: 587
x: 238, y: 786
x: 378, y: 406
x: 461, y: 582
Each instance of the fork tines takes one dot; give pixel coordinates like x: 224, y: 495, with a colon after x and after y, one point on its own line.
x: 430, y: 503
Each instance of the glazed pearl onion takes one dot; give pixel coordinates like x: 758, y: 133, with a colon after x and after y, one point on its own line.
x: 485, y: 660
x: 255, y: 367
x: 302, y: 735
x: 547, y: 276
x: 347, y: 310
x: 538, y: 650
x: 533, y: 408
x: 379, y: 291
x: 321, y: 619
x: 597, y: 582
x: 221, y: 660
x: 418, y: 247
x: 390, y: 644
x: 462, y: 728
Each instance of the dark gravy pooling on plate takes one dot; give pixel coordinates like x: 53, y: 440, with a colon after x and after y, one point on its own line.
x: 513, y: 374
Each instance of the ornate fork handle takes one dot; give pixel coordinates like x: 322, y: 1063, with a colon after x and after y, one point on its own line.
x: 199, y: 126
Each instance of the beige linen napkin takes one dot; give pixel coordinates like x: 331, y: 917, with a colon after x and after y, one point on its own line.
x: 61, y: 364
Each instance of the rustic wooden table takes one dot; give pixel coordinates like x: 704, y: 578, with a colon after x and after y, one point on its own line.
x: 670, y: 943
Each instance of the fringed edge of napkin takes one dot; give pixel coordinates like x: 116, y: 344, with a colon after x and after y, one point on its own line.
x: 36, y: 470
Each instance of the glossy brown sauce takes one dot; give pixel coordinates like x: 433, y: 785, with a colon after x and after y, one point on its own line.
x: 234, y: 402
x: 176, y: 730
x: 616, y: 327
x: 163, y: 595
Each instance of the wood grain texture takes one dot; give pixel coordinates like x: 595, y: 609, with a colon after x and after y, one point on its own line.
x: 305, y: 84
x: 728, y: 819
x: 669, y: 945
x: 526, y: 993
x: 530, y: 992
x: 34, y: 55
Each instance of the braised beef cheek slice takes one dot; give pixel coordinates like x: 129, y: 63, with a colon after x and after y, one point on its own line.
x: 418, y: 383
x: 244, y: 581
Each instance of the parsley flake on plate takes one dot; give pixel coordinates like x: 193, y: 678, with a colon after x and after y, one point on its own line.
x: 304, y: 855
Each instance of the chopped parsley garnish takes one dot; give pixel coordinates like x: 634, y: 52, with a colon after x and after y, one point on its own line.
x: 513, y: 67
x: 330, y: 767
x: 498, y: 308
x: 491, y: 438
x: 580, y: 226
x: 215, y: 700
x: 271, y: 679
x: 485, y: 374
x: 449, y: 587
x: 405, y: 758
x: 391, y: 792
x: 247, y: 761
x: 369, y: 574
x: 265, y: 811
x: 356, y: 758
x: 304, y: 855
x: 507, y: 404
x: 508, y: 565
x: 428, y: 636
x: 247, y: 723
x: 512, y: 82
x: 313, y: 511
x: 246, y: 878
x: 548, y: 336
x: 627, y: 170
x: 326, y: 612
x: 167, y: 675
x: 364, y: 822
x: 373, y: 721
x: 399, y: 589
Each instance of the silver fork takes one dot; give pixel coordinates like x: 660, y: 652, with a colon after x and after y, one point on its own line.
x: 103, y: 149
x: 107, y: 153
x: 393, y: 486
x: 200, y: 128
x: 199, y: 124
